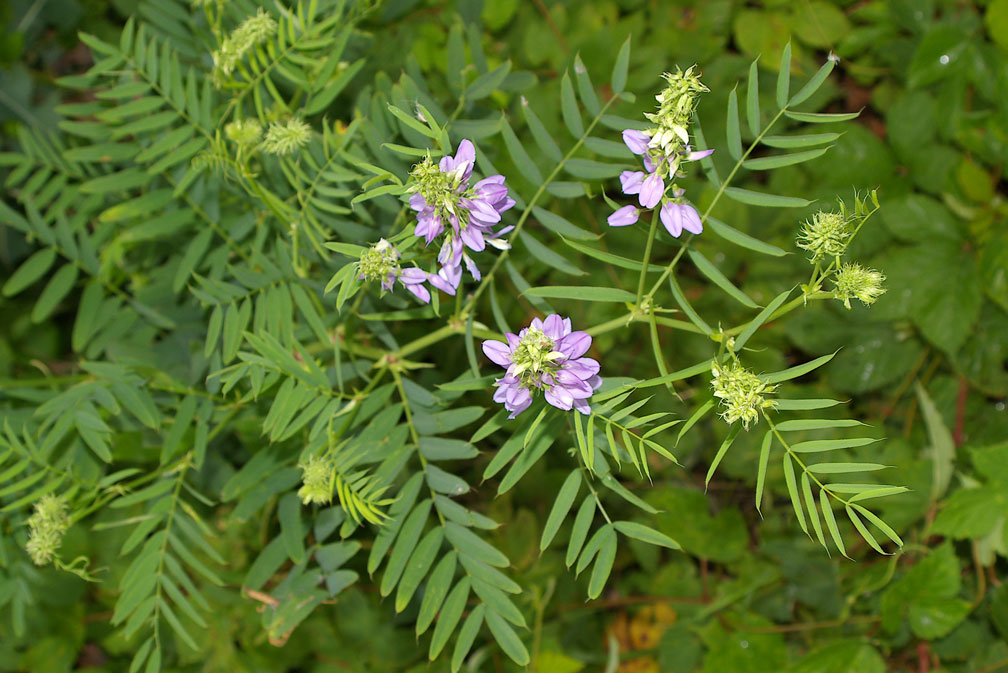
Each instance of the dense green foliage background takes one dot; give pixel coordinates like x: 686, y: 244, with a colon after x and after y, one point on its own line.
x: 926, y: 367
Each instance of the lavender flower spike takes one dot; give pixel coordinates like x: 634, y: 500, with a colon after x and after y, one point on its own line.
x: 545, y: 356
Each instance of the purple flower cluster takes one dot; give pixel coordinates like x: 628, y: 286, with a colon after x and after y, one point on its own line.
x: 660, y: 162
x: 445, y: 203
x: 546, y: 356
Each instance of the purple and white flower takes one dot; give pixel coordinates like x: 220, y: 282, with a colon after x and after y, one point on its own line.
x: 445, y: 203
x: 547, y: 355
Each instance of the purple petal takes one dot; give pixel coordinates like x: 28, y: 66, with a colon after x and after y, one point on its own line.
x: 420, y: 292
x: 699, y: 154
x: 417, y: 202
x: 583, y: 368
x: 412, y: 276
x: 671, y: 217
x: 471, y: 266
x: 582, y: 406
x: 631, y: 181
x: 652, y: 190
x: 559, y: 398
x: 498, y: 352
x: 691, y: 221
x: 575, y: 344
x: 473, y: 238
x: 637, y: 141
x: 553, y: 326
x: 623, y: 217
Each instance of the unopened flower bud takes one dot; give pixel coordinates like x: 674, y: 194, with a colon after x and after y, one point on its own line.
x: 46, y: 527
x: 287, y: 137
x: 825, y: 235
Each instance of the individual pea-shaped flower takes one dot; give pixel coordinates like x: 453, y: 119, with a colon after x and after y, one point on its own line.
x: 545, y: 356
x: 677, y: 215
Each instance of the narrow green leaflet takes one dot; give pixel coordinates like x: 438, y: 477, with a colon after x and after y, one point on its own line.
x: 561, y: 508
x: 708, y: 269
x: 734, y: 136
x: 781, y: 160
x: 581, y: 293
x: 784, y: 77
x: 620, y: 67
x: 752, y: 99
x: 752, y: 198
x: 758, y: 321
